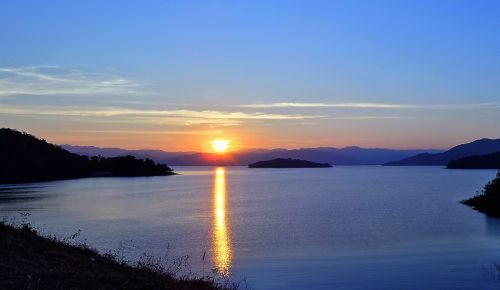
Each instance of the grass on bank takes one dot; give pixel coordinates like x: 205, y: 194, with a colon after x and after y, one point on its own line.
x: 31, y: 261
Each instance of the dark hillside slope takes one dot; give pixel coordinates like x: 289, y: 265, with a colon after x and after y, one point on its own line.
x: 25, y: 158
x: 488, y: 161
x: 31, y: 261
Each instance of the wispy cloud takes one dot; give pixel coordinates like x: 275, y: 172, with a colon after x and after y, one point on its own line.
x: 58, y: 80
x: 148, y: 132
x: 188, y: 116
x: 328, y: 105
x: 366, y: 105
x: 376, y: 118
x: 469, y: 106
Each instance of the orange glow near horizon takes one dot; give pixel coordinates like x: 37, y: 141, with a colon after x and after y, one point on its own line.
x: 220, y: 145
x: 221, y: 241
x: 239, y: 140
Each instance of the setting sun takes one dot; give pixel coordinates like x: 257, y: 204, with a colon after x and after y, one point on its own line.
x: 220, y: 145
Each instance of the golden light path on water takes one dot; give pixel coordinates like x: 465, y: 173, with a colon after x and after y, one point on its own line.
x: 221, y: 241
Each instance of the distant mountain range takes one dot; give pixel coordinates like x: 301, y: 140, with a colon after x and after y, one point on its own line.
x: 478, y: 147
x: 156, y: 155
x: 336, y: 156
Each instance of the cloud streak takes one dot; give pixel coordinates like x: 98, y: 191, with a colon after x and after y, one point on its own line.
x: 361, y: 118
x: 188, y: 116
x: 365, y: 105
x: 329, y: 105
x: 57, y: 80
x: 148, y: 132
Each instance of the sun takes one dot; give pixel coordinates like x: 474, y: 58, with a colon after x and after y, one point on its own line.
x: 220, y: 145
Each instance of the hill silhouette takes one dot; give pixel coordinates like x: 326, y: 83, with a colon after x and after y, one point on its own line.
x: 287, y: 163
x: 478, y: 147
x: 25, y: 158
x: 488, y: 161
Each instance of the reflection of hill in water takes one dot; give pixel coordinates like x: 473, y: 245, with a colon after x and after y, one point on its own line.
x: 492, y: 229
x: 25, y: 193
x: 492, y: 226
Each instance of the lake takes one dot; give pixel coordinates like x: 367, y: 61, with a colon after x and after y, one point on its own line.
x: 346, y: 227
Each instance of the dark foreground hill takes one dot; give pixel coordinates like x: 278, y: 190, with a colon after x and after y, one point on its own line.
x: 288, y: 163
x: 488, y: 161
x: 25, y: 158
x: 30, y: 261
x: 478, y: 147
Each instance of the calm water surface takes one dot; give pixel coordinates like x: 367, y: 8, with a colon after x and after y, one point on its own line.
x: 336, y: 228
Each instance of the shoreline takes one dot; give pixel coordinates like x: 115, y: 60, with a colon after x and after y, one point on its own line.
x: 50, y: 263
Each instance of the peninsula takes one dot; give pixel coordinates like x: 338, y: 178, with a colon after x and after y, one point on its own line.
x: 488, y: 200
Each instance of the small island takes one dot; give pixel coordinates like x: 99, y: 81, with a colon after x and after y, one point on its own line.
x: 288, y: 163
x: 488, y: 200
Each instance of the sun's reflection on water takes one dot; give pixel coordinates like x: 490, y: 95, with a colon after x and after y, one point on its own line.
x: 221, y: 240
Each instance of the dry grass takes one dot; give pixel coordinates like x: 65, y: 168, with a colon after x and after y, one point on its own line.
x: 31, y: 261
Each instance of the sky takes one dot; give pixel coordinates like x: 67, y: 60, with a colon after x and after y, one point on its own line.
x: 174, y: 75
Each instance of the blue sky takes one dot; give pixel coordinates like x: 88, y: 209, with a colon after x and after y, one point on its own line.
x: 174, y: 74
